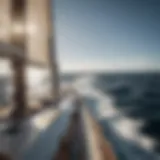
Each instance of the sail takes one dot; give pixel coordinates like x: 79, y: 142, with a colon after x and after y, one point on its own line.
x: 27, y: 27
x: 38, y: 35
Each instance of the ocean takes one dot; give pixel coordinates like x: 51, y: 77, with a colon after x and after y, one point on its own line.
x: 127, y: 106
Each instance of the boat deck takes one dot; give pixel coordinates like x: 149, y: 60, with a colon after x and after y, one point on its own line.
x: 54, y: 133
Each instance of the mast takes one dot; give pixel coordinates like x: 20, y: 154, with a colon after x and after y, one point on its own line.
x: 53, y: 62
x: 18, y: 39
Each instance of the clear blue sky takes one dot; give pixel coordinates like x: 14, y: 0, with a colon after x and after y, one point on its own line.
x: 108, y: 34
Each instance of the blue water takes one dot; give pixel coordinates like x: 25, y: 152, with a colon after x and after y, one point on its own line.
x: 137, y: 96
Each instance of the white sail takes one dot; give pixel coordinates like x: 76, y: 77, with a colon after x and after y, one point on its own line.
x: 31, y: 28
x: 25, y: 29
x: 37, y: 23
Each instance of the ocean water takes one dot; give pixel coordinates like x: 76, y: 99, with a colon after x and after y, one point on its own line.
x: 128, y: 108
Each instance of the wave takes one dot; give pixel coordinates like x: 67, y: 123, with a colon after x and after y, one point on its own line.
x: 124, y: 128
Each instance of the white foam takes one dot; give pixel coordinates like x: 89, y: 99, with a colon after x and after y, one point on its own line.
x: 125, y: 127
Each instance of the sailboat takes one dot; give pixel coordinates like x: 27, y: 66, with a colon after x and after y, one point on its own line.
x: 37, y: 127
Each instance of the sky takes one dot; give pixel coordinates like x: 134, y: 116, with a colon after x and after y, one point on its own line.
x: 107, y: 35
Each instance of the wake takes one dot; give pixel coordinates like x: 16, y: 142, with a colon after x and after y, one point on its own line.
x: 123, y: 132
